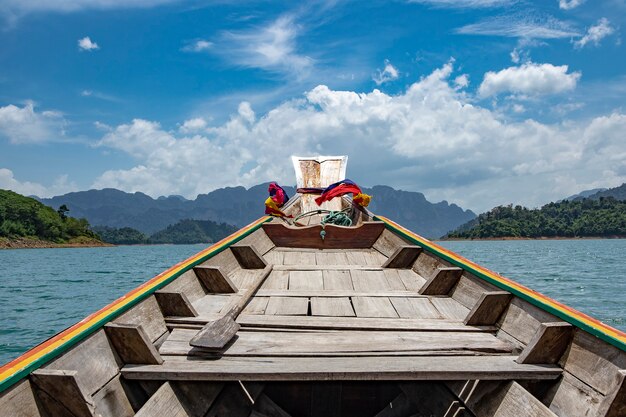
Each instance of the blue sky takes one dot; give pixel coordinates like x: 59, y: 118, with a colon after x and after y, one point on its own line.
x: 479, y: 102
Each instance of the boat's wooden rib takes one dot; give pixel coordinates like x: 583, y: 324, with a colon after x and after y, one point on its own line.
x: 61, y: 389
x: 214, y: 279
x: 174, y: 303
x: 132, y: 344
x: 403, y: 257
x: 341, y: 368
x: 488, y: 308
x: 248, y: 256
x: 548, y: 344
x: 441, y: 281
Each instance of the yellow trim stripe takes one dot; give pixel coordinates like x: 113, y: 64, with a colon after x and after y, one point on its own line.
x: 37, y: 356
x: 569, y: 314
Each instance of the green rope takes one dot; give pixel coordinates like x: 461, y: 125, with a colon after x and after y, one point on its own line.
x: 339, y: 218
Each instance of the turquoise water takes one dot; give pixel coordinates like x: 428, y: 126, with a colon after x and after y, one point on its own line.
x: 43, y: 291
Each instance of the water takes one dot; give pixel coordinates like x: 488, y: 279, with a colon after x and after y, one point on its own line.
x: 43, y: 291
x: 588, y: 275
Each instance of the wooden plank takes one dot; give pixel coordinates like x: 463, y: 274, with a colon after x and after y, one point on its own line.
x: 214, y: 279
x: 374, y: 258
x: 215, y: 334
x: 400, y: 406
x: 246, y: 278
x: 248, y: 256
x: 337, y: 293
x: 148, y: 314
x: 211, y: 304
x: 259, y: 240
x: 506, y: 400
x: 403, y: 257
x: 359, y: 323
x: 411, y: 280
x: 387, y: 242
x: 428, y: 263
x: 278, y: 280
x: 132, y: 344
x: 393, y: 279
x: 225, y: 260
x: 312, y: 267
x: 163, y: 403
x: 373, y: 307
x: 333, y: 343
x: 175, y: 304
x: 93, y: 360
x: 488, y: 308
x: 189, y: 284
x: 469, y: 289
x: 522, y: 320
x: 594, y: 362
x: 442, y: 281
x: 257, y: 305
x: 287, y: 306
x: 267, y: 407
x: 336, y: 237
x: 369, y: 281
x: 299, y: 258
x: 63, y: 386
x: 274, y: 257
x: 548, y: 344
x: 356, y: 257
x: 18, y: 401
x: 571, y: 397
x: 615, y: 403
x: 332, y: 307
x: 337, y: 280
x: 111, y: 400
x: 414, y: 308
x: 306, y: 280
x: 450, y: 308
x: 331, y: 258
x: 343, y: 368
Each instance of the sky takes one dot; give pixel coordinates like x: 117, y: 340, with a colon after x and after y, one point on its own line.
x: 478, y: 102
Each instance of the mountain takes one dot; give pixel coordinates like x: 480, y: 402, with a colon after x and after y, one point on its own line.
x: 604, y: 217
x: 239, y: 206
x: 583, y: 194
x: 618, y: 193
x: 193, y: 231
x: 24, y: 217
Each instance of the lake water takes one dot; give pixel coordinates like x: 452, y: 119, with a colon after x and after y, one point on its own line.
x: 43, y: 291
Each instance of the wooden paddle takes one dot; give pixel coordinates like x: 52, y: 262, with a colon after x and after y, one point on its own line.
x: 217, y: 333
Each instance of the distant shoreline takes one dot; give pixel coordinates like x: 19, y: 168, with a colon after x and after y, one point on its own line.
x: 452, y: 239
x: 28, y: 243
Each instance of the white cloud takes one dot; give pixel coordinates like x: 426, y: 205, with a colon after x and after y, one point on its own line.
x: 529, y: 79
x: 465, y: 4
x: 200, y: 45
x: 570, y: 4
x: 85, y: 44
x: 521, y: 26
x: 430, y: 138
x: 461, y: 81
x: 272, y: 48
x: 14, y: 9
x: 193, y: 125
x: 389, y: 73
x: 61, y: 185
x: 25, y: 125
x: 596, y: 33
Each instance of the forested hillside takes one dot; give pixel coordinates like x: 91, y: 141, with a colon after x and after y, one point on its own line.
x: 184, y: 232
x: 605, y: 217
x: 24, y: 217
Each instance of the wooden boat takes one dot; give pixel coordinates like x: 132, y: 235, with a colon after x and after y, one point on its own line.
x: 371, y: 320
